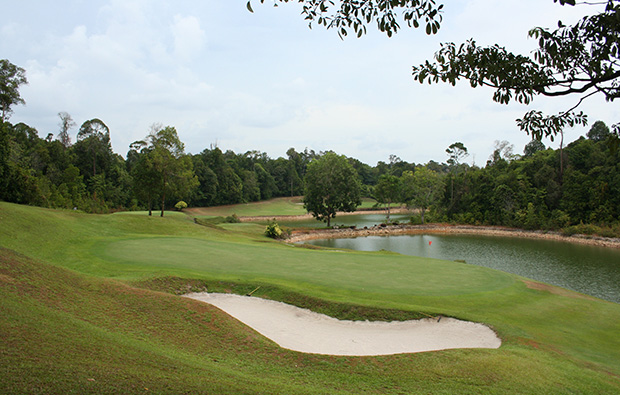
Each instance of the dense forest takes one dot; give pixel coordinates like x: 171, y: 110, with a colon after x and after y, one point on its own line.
x: 540, y: 189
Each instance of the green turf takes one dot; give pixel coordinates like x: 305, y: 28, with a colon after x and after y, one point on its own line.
x: 279, y: 206
x: 95, y: 328
x: 390, y: 274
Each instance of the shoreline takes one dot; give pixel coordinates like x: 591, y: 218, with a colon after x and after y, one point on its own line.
x: 395, y: 210
x: 391, y: 230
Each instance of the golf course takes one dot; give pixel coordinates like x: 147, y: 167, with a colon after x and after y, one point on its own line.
x: 93, y: 303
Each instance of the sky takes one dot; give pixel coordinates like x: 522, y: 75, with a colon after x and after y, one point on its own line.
x: 242, y: 81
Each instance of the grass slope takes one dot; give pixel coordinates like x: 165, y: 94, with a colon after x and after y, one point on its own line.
x: 75, y: 316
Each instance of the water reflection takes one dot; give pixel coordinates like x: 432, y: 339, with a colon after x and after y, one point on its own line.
x: 587, y: 269
x: 359, y: 220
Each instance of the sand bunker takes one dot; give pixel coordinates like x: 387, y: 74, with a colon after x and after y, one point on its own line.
x: 305, y: 331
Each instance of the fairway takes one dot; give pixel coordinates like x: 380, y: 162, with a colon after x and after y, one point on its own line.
x: 362, y: 272
x: 282, y: 206
x: 279, y: 206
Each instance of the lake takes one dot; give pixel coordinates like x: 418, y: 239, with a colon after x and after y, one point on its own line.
x: 587, y: 269
x: 359, y: 220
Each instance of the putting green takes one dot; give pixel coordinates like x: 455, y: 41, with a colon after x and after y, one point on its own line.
x: 385, y: 273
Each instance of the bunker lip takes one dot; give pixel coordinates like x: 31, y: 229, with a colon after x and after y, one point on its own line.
x: 305, y: 331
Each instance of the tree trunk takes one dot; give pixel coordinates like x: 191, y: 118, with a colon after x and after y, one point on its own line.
x: 422, y: 215
x: 163, y: 195
x: 388, y: 209
x: 163, y: 201
x: 451, y: 191
x: 561, y: 157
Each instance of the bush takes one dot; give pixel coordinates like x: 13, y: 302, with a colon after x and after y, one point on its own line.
x: 274, y: 231
x: 584, y: 229
x: 415, y: 219
x: 559, y: 219
x: 180, y: 205
x: 232, y: 219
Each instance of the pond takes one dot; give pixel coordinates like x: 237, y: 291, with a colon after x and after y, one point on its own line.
x: 587, y: 269
x: 359, y: 220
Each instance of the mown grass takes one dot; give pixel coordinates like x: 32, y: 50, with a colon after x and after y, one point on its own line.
x: 282, y: 206
x: 88, y: 305
x: 278, y: 206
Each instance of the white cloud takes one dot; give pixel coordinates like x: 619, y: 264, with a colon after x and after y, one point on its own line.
x: 189, y: 38
x: 10, y: 31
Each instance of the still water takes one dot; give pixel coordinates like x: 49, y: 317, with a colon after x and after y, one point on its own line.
x: 587, y: 269
x: 359, y: 220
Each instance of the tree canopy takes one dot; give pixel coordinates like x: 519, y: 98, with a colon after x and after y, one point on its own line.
x: 165, y: 167
x: 11, y: 78
x: 579, y: 60
x: 94, y: 141
x: 332, y: 185
x: 66, y: 124
x: 388, y: 191
x: 357, y: 14
x: 422, y: 188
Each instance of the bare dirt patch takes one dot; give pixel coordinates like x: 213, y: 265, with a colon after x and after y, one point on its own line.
x: 555, y: 290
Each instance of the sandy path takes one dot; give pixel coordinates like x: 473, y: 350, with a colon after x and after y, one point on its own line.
x: 305, y: 331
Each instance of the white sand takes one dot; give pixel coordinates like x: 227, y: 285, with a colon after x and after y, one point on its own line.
x: 305, y: 331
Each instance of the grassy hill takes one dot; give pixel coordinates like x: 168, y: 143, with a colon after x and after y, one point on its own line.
x: 89, y: 304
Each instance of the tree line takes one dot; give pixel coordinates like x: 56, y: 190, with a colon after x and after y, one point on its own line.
x: 544, y: 188
x: 541, y: 189
x: 155, y: 174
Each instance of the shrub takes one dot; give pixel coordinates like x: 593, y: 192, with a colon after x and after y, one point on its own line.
x: 582, y: 229
x: 274, y: 231
x: 232, y: 219
x: 180, y: 205
x: 415, y: 220
x: 559, y: 219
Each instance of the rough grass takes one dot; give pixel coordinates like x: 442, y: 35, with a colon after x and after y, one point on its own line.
x: 82, y: 331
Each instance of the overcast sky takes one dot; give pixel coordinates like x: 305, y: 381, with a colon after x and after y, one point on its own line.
x: 264, y: 81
